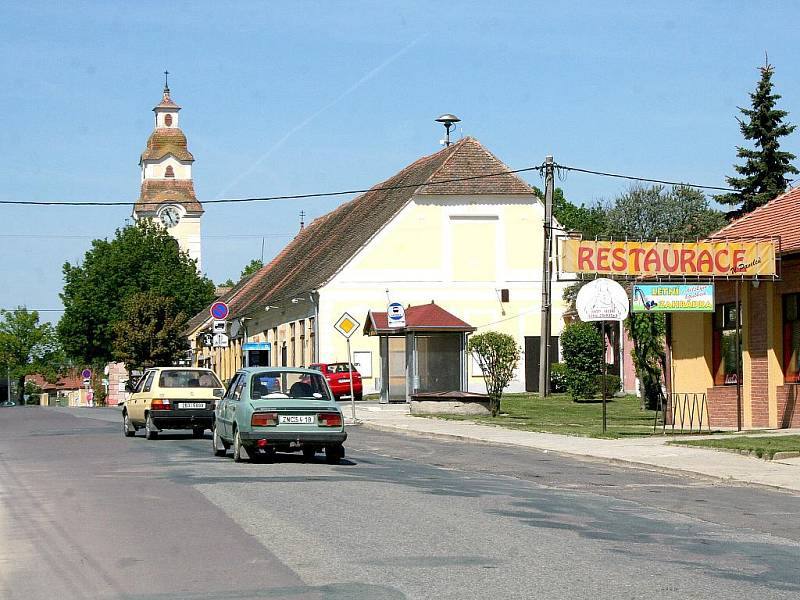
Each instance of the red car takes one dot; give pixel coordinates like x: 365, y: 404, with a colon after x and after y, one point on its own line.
x: 338, y: 376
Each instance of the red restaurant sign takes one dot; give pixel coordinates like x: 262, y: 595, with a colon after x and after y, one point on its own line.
x: 718, y: 258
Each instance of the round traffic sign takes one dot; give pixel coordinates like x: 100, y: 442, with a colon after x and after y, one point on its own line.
x: 86, y: 373
x: 219, y: 310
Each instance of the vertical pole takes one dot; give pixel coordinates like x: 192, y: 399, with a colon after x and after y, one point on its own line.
x: 738, y: 359
x: 8, y: 383
x: 349, y: 366
x: 544, y: 342
x: 605, y: 373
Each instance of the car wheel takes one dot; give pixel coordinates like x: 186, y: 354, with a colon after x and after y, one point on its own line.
x: 198, y: 432
x: 240, y: 453
x: 150, y: 429
x: 309, y: 452
x: 334, y: 454
x: 220, y: 449
x: 127, y: 427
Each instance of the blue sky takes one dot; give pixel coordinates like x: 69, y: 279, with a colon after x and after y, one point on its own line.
x: 300, y: 97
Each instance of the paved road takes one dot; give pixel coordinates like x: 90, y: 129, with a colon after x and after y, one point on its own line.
x: 86, y: 513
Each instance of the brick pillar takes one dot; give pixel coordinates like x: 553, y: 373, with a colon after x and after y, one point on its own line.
x: 757, y: 323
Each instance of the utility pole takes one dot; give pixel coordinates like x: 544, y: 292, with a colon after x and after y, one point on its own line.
x: 8, y: 383
x: 547, y: 251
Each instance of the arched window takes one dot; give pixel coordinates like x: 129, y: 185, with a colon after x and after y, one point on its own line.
x: 169, y: 172
x: 168, y: 120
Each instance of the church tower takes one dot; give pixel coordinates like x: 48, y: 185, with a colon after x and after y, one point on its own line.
x: 167, y: 194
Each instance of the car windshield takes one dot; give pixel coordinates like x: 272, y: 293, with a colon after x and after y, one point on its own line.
x: 288, y: 384
x: 188, y: 378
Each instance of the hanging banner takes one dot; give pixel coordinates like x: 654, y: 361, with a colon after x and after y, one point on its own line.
x: 681, y: 297
x: 718, y: 258
x: 602, y: 300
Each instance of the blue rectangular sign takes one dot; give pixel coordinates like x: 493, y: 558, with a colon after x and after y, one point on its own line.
x: 256, y: 346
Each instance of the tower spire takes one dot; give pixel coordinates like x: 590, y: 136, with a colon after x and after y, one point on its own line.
x: 166, y: 83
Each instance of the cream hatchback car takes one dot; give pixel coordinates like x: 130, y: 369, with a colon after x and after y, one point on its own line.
x: 172, y: 398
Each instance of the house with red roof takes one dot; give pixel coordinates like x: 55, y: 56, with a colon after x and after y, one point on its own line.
x: 745, y: 357
x: 454, y: 228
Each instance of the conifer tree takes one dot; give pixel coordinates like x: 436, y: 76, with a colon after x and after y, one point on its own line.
x: 763, y: 176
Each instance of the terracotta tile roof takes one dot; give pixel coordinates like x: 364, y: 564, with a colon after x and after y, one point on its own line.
x: 320, y: 250
x: 203, y: 318
x: 778, y: 217
x: 69, y: 381
x: 424, y: 317
x: 155, y: 192
x: 473, y: 159
x: 166, y: 140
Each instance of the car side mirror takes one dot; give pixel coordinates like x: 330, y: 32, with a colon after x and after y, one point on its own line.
x: 219, y: 392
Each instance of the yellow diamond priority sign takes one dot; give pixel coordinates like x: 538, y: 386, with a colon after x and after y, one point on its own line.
x: 347, y: 325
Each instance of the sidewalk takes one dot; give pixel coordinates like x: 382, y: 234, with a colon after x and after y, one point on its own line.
x: 650, y: 452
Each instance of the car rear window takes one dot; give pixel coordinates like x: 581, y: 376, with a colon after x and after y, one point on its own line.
x: 340, y: 368
x: 286, y: 384
x: 188, y: 378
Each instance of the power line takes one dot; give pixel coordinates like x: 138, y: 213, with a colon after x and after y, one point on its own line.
x: 645, y: 179
x: 272, y: 198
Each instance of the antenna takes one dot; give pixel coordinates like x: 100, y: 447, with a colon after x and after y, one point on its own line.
x: 448, y: 121
x: 302, y: 219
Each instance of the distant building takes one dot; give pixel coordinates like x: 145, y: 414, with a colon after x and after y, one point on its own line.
x: 167, y: 191
x: 451, y: 228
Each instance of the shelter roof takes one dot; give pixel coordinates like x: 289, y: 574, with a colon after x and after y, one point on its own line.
x: 423, y: 317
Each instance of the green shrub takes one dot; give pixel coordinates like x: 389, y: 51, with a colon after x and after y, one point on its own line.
x: 613, y: 384
x: 558, y: 378
x: 582, y: 348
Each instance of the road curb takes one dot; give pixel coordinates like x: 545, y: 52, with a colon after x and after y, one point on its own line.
x: 587, y: 457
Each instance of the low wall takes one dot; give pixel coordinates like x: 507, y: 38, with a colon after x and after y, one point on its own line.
x: 450, y: 403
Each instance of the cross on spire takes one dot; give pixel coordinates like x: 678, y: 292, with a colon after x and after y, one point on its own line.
x: 166, y: 82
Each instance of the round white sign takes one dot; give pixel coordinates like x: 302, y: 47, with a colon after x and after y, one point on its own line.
x: 602, y: 300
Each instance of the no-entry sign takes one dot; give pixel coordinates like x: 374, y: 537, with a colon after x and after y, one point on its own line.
x: 219, y: 311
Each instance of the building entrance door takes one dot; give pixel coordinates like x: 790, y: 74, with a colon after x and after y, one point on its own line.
x: 532, y: 360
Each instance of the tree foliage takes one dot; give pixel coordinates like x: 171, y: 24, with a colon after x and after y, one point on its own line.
x: 27, y: 347
x: 763, y: 176
x: 655, y: 212
x: 498, y: 356
x: 251, y: 268
x: 647, y: 332
x: 141, y: 258
x: 149, y: 332
x: 582, y: 350
x: 591, y: 221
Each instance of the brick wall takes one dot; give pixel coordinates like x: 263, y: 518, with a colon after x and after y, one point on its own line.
x: 788, y: 406
x: 721, y: 401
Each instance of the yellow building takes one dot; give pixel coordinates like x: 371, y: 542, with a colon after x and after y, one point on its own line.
x: 446, y: 229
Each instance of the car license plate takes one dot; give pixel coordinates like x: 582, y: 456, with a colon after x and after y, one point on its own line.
x: 344, y: 380
x: 296, y: 419
x: 191, y: 405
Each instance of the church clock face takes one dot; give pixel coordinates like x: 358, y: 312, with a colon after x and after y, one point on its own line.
x: 170, y: 216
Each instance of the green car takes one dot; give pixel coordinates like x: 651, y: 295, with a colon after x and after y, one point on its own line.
x: 271, y: 409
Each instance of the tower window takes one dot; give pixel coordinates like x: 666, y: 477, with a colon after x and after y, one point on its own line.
x: 168, y: 120
x: 169, y: 172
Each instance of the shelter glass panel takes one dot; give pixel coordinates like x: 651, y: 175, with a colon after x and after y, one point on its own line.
x: 439, y: 362
x: 397, y: 368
